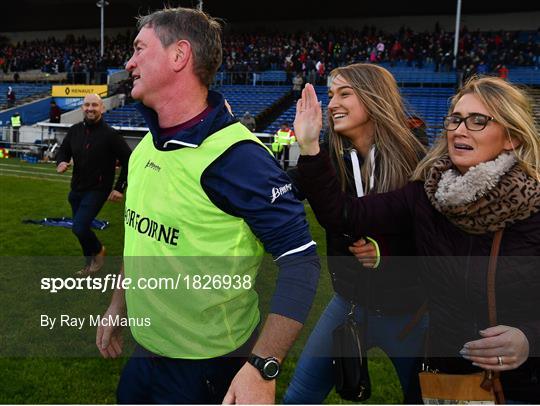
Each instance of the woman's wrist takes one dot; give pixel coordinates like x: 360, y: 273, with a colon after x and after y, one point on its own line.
x: 311, y: 149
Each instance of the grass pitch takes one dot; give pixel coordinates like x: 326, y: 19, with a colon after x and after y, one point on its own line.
x: 37, y: 366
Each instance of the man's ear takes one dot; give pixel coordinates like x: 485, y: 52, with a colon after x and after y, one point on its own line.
x: 181, y: 55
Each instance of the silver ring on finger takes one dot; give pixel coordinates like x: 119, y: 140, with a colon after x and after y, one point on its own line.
x: 500, y: 360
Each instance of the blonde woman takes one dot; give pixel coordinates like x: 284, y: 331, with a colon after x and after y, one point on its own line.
x: 372, y: 151
x: 483, y: 176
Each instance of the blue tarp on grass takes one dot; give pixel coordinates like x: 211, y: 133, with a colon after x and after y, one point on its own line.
x: 66, y: 222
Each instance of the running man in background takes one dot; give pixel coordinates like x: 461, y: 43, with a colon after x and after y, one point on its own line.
x: 94, y: 147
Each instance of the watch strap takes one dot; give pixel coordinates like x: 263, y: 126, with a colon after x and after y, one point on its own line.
x: 260, y: 363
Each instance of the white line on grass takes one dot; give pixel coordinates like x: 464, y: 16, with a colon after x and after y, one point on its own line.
x: 48, y: 168
x: 32, y: 177
x: 30, y: 172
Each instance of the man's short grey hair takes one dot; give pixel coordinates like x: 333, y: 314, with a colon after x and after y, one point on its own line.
x: 202, y: 31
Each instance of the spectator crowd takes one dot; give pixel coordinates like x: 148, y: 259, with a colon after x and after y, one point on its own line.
x: 313, y: 55
x: 80, y: 57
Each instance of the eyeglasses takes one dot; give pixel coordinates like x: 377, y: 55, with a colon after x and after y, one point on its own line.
x: 474, y: 122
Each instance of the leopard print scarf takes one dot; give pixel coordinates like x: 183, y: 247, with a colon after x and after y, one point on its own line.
x: 487, y: 198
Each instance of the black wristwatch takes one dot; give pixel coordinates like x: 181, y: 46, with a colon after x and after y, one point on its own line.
x: 268, y: 367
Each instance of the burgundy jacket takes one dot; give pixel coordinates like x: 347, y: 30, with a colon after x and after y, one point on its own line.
x: 454, y: 267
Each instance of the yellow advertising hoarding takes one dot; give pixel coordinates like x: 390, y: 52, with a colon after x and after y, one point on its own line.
x: 78, y: 90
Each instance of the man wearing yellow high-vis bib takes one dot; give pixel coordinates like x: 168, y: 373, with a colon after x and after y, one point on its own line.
x: 283, y: 139
x: 205, y: 199
x: 16, y: 124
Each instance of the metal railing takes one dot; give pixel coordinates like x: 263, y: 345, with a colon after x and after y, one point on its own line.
x: 29, y: 141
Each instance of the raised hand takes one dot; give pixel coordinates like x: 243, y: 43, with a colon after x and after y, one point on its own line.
x: 308, y: 121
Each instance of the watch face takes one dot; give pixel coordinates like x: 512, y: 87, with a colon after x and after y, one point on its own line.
x: 271, y: 369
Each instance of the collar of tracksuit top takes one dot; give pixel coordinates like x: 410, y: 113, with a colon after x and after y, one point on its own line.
x: 218, y: 118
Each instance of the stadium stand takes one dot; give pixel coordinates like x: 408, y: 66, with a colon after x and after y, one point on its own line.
x: 257, y: 69
x: 429, y: 103
x: 242, y: 98
x: 524, y: 75
x: 287, y: 116
x: 25, y: 92
x: 125, y: 116
x: 271, y: 53
x: 254, y: 99
x: 535, y: 94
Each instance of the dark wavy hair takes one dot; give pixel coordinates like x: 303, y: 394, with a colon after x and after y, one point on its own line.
x: 202, y: 31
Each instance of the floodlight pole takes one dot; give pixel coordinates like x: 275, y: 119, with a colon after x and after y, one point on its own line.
x: 102, y: 37
x: 102, y: 4
x: 456, y: 36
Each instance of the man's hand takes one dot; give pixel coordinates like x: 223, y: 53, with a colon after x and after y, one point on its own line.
x: 116, y: 196
x: 109, y: 339
x: 502, y: 348
x: 249, y: 387
x: 62, y: 167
